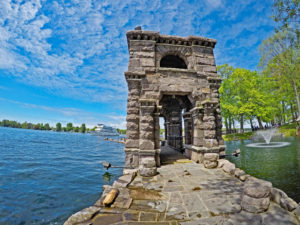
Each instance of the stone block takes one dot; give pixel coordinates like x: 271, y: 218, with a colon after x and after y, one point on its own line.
x: 148, y: 162
x: 146, y: 119
x: 257, y: 188
x: 82, y: 215
x: 209, y: 126
x: 144, y: 54
x: 209, y: 134
x: 134, y: 63
x: 210, y: 69
x: 132, y: 134
x: 238, y: 172
x: 209, y: 143
x: 132, y: 126
x: 147, y: 172
x: 132, y: 143
x: 147, y: 62
x: 229, y: 167
x: 211, y: 156
x: 244, y: 177
x: 133, y: 111
x: 277, y: 194
x: 297, y: 212
x: 205, y: 61
x: 255, y: 205
x: 208, y: 118
x: 221, y: 163
x: 146, y: 127
x: 127, y: 178
x: 197, y: 157
x: 210, y: 164
x: 146, y: 135
x: 132, y: 118
x: 288, y: 204
x: 146, y: 145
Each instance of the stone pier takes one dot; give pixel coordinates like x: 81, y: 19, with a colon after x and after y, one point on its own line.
x: 186, y: 193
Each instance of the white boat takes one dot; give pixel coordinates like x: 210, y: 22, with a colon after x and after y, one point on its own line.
x: 103, y: 130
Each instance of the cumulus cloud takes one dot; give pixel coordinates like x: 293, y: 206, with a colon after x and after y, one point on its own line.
x: 78, y: 48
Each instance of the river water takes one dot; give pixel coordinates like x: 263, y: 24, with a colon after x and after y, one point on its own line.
x: 46, y: 176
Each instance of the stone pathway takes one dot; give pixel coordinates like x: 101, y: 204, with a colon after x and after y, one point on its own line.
x: 188, y: 194
x: 169, y: 155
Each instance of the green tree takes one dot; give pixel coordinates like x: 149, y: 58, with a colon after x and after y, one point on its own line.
x: 69, y: 127
x: 287, y: 13
x: 82, y: 128
x: 58, y: 127
x: 47, y: 126
x: 227, y: 99
x: 25, y: 125
x: 76, y: 129
x: 280, y: 58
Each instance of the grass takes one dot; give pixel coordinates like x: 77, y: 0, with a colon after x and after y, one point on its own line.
x: 237, y: 136
x: 288, y: 129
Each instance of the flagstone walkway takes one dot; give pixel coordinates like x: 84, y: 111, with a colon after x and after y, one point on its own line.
x: 187, y: 193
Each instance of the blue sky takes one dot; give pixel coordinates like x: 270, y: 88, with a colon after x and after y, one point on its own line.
x: 64, y: 61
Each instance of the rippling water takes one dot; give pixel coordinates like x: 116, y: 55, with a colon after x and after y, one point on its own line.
x: 47, y: 176
x: 281, y: 165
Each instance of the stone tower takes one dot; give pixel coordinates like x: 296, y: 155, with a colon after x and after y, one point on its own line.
x: 174, y: 78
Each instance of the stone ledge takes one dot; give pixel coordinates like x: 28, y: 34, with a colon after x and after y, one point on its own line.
x: 153, y: 36
x: 203, y: 149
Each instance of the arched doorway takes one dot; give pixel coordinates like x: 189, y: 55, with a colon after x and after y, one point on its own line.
x: 173, y: 109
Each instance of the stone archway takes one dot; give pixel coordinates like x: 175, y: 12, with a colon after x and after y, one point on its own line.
x: 168, y: 75
x: 172, y: 107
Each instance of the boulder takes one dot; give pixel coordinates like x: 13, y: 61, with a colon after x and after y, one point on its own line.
x: 288, y: 204
x: 257, y: 188
x: 277, y: 194
x: 297, y: 212
x: 238, y: 172
x: 82, y: 215
x: 147, y: 172
x: 148, y: 162
x: 210, y: 164
x: 255, y: 205
x: 244, y: 177
x: 229, y: 167
x: 211, y: 156
x: 221, y: 163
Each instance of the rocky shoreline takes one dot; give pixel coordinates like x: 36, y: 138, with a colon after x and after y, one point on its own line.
x: 189, y: 193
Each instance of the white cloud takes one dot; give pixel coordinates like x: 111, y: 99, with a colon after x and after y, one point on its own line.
x: 78, y: 48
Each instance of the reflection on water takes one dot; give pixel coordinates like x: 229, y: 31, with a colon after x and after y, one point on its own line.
x: 107, y: 176
x: 47, y: 176
x: 281, y: 166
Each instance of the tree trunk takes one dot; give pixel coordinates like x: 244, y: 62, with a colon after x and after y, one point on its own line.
x: 293, y: 112
x: 226, y: 125
x: 283, y: 112
x: 242, y: 124
x: 251, y: 123
x: 297, y: 98
x: 260, y: 123
x: 230, y: 122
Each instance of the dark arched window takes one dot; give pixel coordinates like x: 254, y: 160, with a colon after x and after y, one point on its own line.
x: 172, y: 61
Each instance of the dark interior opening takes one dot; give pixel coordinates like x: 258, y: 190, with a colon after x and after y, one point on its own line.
x: 172, y: 61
